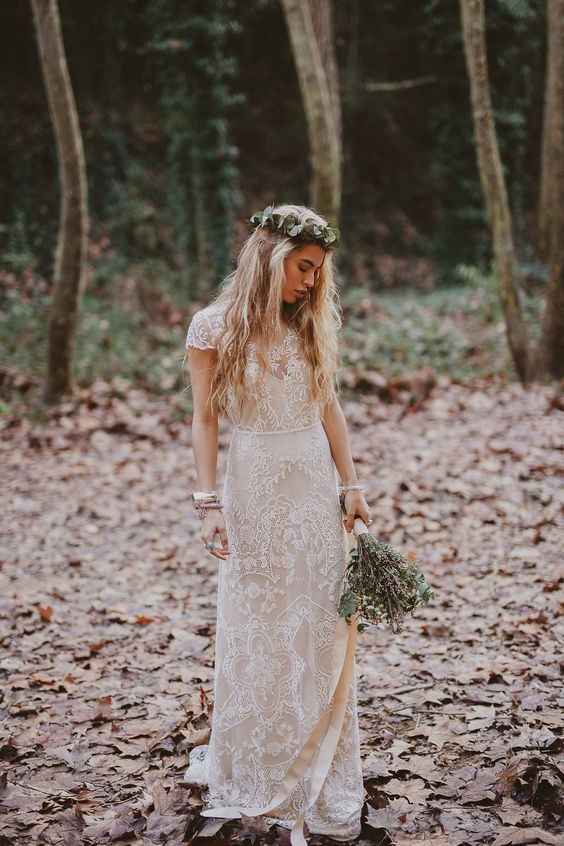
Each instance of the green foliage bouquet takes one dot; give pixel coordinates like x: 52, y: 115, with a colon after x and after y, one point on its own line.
x: 380, y: 583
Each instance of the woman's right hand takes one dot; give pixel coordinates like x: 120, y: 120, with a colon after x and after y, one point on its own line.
x: 213, y: 529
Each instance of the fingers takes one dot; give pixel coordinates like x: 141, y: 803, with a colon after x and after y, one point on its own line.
x: 367, y: 518
x: 219, y: 553
x: 224, y: 542
x: 351, y: 517
x: 223, y: 550
x: 220, y: 550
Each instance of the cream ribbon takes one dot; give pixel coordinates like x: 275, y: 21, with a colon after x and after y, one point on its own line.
x: 319, y: 749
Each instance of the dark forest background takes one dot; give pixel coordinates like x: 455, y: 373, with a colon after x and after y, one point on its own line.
x: 192, y: 119
x: 410, y: 185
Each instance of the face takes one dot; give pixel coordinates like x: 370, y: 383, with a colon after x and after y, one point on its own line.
x: 301, y: 267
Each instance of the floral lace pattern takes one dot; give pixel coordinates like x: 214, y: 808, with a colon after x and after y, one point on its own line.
x: 277, y: 601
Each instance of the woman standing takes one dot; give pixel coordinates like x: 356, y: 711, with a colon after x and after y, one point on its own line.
x: 284, y: 740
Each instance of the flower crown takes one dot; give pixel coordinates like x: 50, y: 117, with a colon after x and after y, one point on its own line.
x: 288, y: 224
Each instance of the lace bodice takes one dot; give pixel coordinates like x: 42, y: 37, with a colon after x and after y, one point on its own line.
x: 276, y: 401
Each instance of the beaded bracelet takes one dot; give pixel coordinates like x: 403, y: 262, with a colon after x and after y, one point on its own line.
x: 201, y: 509
x: 205, y: 499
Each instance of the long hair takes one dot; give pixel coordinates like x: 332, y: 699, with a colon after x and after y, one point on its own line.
x: 252, y: 297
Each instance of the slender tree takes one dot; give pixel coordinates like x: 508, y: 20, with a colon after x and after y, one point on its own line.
x: 546, y: 360
x: 551, y: 352
x: 311, y: 36
x: 553, y: 111
x: 493, y: 181
x: 322, y: 19
x: 73, y: 225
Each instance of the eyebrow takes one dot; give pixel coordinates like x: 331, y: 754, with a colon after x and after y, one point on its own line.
x: 309, y: 261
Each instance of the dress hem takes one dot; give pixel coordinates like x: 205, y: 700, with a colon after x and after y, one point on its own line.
x: 319, y: 749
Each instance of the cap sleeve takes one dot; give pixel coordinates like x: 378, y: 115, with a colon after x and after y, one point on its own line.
x: 203, y: 330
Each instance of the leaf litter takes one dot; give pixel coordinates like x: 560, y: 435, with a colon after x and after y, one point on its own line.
x: 107, y: 614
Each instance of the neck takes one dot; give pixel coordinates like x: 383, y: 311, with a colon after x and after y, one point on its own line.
x: 288, y: 312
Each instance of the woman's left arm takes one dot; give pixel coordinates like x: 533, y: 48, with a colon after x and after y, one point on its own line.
x: 335, y: 426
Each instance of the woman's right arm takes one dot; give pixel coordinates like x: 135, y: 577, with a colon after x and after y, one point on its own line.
x: 205, y: 425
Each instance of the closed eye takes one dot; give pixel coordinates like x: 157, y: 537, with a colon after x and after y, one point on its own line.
x: 309, y: 264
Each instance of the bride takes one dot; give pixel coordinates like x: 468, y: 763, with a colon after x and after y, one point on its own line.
x: 284, y: 739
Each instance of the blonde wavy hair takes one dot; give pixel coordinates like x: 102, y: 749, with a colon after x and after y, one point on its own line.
x: 252, y: 295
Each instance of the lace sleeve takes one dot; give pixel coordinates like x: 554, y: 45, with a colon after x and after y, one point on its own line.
x: 201, y: 331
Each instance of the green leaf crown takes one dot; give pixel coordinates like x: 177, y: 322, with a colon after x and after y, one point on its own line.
x: 289, y: 224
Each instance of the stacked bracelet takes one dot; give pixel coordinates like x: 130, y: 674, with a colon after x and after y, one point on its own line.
x: 204, y: 500
x: 354, y: 487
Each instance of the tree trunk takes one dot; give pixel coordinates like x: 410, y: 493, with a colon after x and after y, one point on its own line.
x: 322, y: 19
x: 552, y: 126
x: 551, y: 349
x: 70, y: 257
x: 320, y: 90
x: 493, y: 182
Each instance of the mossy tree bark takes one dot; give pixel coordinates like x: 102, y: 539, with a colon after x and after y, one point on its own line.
x: 551, y: 213
x: 322, y: 19
x: 69, y: 277
x: 552, y: 121
x: 311, y: 36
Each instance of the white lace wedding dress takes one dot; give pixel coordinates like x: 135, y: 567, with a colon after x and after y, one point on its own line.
x: 284, y: 739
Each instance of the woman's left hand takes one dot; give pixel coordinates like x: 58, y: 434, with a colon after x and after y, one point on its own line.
x: 355, y: 506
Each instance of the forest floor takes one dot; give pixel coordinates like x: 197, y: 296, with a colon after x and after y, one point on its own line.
x: 107, y: 613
